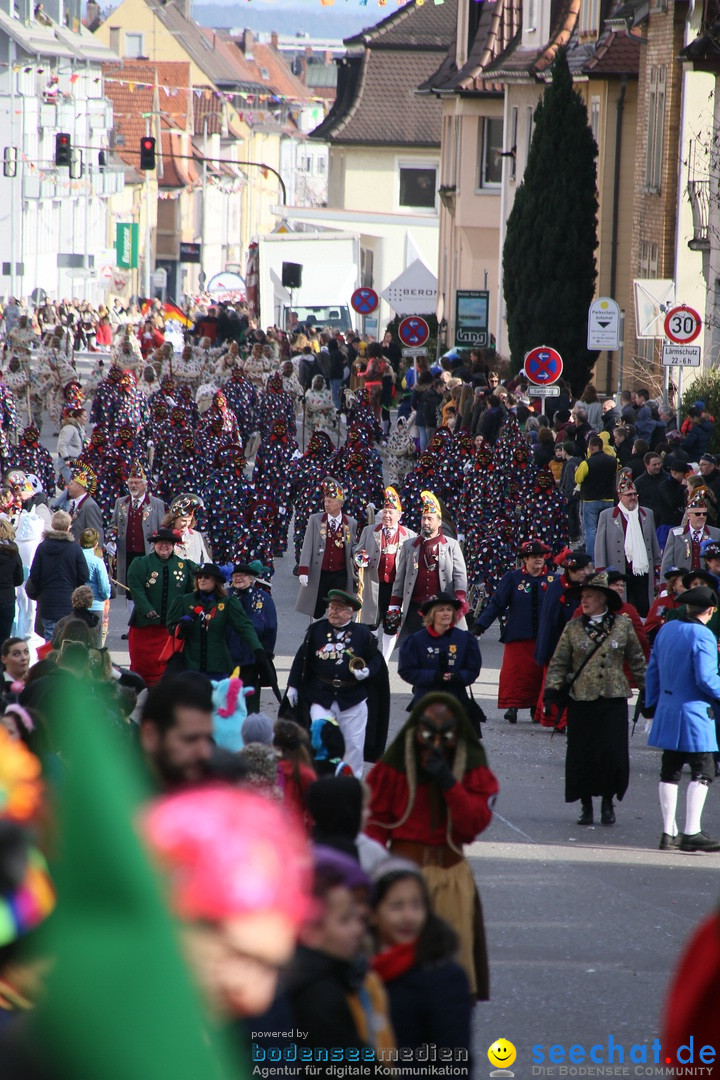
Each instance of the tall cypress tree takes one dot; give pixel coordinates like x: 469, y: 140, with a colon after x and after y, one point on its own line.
x: 549, y: 265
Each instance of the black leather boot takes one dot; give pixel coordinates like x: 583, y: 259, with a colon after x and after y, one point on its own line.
x: 586, y: 814
x: 511, y: 716
x: 607, y: 811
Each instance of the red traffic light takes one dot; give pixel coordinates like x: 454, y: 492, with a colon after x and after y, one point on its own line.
x: 147, y: 153
x: 63, y: 148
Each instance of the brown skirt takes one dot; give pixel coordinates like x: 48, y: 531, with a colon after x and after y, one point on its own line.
x: 455, y: 899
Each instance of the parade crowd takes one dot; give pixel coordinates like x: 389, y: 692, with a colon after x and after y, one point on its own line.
x: 316, y: 870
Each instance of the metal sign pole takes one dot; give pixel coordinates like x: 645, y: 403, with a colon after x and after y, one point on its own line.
x: 621, y: 354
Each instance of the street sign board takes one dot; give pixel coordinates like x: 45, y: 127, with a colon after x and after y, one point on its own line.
x: 471, y: 318
x: 604, y: 325
x: 544, y: 391
x: 682, y: 325
x: 413, y: 331
x: 417, y: 351
x: 543, y: 365
x: 190, y: 253
x: 364, y: 301
x: 681, y: 355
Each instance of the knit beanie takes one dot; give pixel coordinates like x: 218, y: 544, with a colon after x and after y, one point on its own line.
x: 257, y: 728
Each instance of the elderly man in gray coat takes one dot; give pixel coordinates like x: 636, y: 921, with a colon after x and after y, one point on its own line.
x: 135, y: 518
x: 684, y: 543
x: 326, y: 557
x: 427, y: 565
x: 626, y: 539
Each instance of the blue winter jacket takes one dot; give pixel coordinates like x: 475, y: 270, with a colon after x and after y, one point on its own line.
x: 682, y: 683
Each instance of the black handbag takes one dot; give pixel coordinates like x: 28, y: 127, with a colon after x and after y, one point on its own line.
x: 475, y: 713
x: 562, y: 696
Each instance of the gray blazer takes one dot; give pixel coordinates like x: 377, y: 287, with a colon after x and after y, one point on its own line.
x: 87, y: 516
x: 610, y: 543
x: 153, y: 512
x: 451, y: 571
x: 311, y: 557
x: 678, y: 547
x: 369, y: 542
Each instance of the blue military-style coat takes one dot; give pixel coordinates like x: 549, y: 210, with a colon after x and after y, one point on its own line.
x: 520, y: 597
x: 682, y: 684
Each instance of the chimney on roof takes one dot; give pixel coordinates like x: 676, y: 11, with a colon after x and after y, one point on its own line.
x: 274, y: 39
x: 308, y: 51
x: 248, y: 41
x: 185, y: 8
x: 92, y: 14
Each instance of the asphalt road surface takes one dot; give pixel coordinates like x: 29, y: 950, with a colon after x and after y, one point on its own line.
x: 584, y: 925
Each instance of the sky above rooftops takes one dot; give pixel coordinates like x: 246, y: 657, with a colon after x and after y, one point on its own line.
x: 343, y: 18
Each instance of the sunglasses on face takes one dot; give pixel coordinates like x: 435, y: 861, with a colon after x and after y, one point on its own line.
x: 699, y: 513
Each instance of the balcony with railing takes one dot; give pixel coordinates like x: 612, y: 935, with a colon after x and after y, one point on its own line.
x: 699, y: 196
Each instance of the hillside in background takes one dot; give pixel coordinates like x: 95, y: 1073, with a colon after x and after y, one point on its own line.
x: 291, y: 16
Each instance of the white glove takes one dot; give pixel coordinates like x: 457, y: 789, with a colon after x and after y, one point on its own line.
x: 362, y: 673
x: 111, y: 548
x: 292, y: 696
x: 303, y: 579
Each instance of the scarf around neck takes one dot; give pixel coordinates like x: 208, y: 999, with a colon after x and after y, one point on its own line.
x: 635, y: 550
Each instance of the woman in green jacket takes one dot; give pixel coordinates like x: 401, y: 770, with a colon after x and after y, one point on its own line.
x: 201, y: 619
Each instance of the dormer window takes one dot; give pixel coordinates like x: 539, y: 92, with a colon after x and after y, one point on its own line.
x: 264, y: 73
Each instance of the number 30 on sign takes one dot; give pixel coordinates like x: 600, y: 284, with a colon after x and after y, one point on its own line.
x: 682, y: 325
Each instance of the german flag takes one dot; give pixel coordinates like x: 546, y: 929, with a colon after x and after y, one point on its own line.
x: 169, y: 311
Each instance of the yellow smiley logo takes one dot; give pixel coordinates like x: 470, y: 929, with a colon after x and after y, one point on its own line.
x: 502, y: 1053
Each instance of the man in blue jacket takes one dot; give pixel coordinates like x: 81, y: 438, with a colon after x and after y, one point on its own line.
x: 682, y: 689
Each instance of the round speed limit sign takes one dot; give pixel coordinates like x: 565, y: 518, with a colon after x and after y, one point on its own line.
x: 682, y: 325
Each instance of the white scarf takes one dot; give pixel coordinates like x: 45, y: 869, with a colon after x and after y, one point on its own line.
x: 635, y: 550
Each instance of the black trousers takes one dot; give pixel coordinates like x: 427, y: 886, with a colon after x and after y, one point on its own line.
x: 329, y: 579
x: 636, y: 588
x: 385, y: 589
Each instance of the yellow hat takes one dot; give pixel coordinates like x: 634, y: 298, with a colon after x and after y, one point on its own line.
x: 429, y: 503
x: 391, y: 500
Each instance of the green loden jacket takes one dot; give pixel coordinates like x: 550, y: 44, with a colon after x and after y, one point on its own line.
x: 205, y: 645
x: 155, y: 584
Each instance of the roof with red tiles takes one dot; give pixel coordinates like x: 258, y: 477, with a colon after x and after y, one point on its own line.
x: 616, y: 54
x: 262, y: 68
x: 138, y: 89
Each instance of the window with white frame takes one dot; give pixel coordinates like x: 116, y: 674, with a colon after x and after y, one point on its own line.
x: 134, y: 45
x: 418, y: 185
x: 529, y: 128
x: 594, y: 117
x: 490, y: 147
x: 514, y: 112
x: 655, y: 127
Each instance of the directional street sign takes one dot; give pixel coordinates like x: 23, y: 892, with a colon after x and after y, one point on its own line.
x: 682, y: 325
x: 417, y: 351
x: 544, y: 391
x: 543, y: 365
x: 681, y: 355
x: 364, y: 301
x: 413, y: 331
x: 604, y: 325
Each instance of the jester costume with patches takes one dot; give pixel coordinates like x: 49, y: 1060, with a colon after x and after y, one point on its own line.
x: 543, y: 514
x: 227, y: 495
x: 242, y: 398
x: 30, y: 457
x: 274, y: 404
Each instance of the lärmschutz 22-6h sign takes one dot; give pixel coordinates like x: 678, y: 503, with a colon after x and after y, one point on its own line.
x: 471, y: 318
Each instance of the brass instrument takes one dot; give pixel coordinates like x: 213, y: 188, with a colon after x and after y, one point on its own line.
x: 356, y: 662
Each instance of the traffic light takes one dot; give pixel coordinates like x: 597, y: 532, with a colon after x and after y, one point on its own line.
x: 63, y: 148
x: 10, y: 161
x: 147, y: 153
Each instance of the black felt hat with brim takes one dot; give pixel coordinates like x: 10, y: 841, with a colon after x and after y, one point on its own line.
x: 699, y: 597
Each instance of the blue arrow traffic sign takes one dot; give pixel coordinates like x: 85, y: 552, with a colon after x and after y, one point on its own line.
x: 543, y: 366
x: 413, y: 331
x: 364, y: 301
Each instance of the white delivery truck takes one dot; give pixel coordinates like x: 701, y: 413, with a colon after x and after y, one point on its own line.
x: 330, y: 274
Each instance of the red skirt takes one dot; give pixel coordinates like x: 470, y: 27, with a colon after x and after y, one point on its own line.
x: 520, y: 676
x: 145, y: 644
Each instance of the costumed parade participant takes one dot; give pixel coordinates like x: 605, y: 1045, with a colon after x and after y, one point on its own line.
x: 519, y: 598
x: 306, y: 475
x: 428, y: 564
x: 181, y: 518
x: 155, y: 581
x: 333, y: 673
x: 259, y: 607
x: 433, y: 792
x: 587, y: 672
x: 135, y: 518
x: 326, y: 556
x: 543, y: 514
x: 227, y: 496
x: 31, y: 457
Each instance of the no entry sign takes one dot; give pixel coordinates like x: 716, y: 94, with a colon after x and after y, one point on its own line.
x: 543, y: 365
x: 413, y: 331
